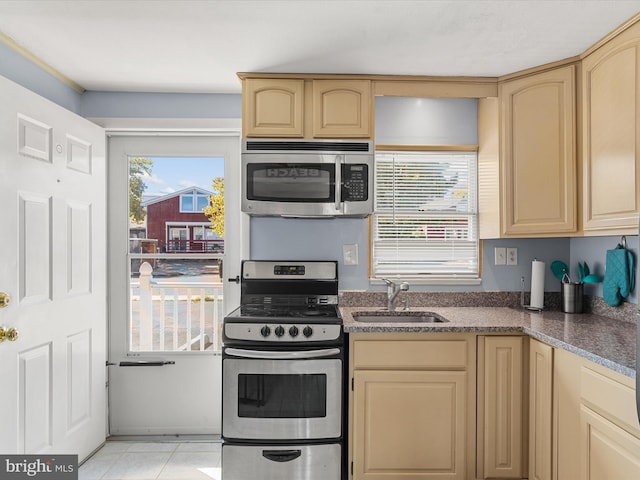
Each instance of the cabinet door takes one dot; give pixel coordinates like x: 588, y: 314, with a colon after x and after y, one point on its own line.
x: 538, y: 153
x: 409, y: 424
x: 502, y: 435
x: 609, y: 452
x: 540, y: 410
x: 342, y: 108
x: 610, y: 78
x: 566, y: 415
x: 272, y: 107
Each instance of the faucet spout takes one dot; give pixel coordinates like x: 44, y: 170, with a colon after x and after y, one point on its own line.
x: 393, y: 291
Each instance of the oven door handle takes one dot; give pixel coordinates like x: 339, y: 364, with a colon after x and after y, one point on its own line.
x: 281, y: 455
x: 293, y: 355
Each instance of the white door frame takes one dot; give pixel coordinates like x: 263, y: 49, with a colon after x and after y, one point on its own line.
x: 115, y: 255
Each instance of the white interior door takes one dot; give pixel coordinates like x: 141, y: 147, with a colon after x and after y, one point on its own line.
x: 52, y: 251
x: 181, y: 392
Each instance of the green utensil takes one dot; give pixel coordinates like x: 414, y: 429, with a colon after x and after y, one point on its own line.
x: 559, y: 269
x: 592, y: 278
x: 586, y: 269
x: 580, y: 272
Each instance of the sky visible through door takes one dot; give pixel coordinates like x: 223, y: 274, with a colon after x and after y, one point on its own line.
x: 170, y: 174
x: 176, y: 300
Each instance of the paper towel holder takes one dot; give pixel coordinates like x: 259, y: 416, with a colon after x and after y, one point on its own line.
x: 527, y: 307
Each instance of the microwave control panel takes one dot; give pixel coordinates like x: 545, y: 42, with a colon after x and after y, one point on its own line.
x: 355, y: 186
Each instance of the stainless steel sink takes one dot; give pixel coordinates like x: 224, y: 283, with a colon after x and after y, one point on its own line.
x: 398, y: 317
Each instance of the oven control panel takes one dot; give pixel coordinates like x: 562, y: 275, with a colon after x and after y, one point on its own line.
x: 282, y: 332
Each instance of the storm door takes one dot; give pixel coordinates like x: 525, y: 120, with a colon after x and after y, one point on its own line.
x: 168, y: 290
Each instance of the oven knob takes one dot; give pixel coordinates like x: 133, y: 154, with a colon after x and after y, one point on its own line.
x: 293, y: 331
x: 307, y: 331
x: 265, y: 331
x: 279, y: 331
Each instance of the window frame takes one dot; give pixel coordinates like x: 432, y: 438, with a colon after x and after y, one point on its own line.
x: 427, y: 279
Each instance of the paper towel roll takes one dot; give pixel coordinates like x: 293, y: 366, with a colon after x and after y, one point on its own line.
x: 537, y: 284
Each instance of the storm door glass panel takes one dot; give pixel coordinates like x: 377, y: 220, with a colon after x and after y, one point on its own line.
x: 282, y: 395
x: 175, y: 295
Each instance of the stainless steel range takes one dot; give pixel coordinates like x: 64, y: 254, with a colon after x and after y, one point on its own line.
x: 283, y: 367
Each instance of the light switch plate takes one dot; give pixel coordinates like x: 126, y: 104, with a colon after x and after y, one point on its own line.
x: 512, y: 256
x: 350, y: 254
x: 500, y: 256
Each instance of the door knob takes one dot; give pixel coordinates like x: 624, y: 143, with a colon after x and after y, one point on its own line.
x: 10, y: 334
x: 5, y: 299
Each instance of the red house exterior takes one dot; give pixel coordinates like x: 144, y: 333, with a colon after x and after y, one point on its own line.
x: 177, y: 223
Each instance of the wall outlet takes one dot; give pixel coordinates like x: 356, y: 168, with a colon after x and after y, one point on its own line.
x: 350, y: 254
x: 512, y: 256
x: 500, y: 256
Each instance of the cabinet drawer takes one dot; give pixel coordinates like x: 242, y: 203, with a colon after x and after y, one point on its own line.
x: 611, y: 399
x: 411, y: 354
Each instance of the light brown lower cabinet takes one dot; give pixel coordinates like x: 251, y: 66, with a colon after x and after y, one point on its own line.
x: 465, y: 407
x: 502, y: 407
x: 413, y: 406
x: 406, y: 424
x: 540, y: 410
x: 595, y: 434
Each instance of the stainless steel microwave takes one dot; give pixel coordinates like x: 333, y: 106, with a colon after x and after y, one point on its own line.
x: 307, y: 178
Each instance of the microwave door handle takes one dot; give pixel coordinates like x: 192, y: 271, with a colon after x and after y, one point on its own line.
x: 338, y: 184
x: 292, y: 355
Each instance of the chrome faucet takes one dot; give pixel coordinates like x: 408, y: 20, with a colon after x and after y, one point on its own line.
x: 392, y: 293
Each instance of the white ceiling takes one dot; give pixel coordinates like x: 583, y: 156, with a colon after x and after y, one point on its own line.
x: 198, y: 46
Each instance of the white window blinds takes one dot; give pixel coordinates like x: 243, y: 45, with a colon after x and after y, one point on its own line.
x: 425, y: 220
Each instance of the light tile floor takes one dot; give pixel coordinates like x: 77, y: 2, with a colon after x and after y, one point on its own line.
x: 142, y: 460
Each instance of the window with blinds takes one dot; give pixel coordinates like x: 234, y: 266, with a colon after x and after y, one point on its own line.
x: 425, y: 222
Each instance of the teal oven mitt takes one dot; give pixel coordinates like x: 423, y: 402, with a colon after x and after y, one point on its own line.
x: 619, y: 276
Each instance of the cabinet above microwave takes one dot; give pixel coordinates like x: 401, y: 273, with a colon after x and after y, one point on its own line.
x: 307, y: 178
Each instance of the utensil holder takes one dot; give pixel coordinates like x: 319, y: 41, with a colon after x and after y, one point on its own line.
x: 572, y: 294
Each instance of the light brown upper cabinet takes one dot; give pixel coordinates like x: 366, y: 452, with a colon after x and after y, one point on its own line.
x: 611, y: 135
x: 342, y: 108
x: 272, y: 107
x: 307, y: 108
x: 537, y: 153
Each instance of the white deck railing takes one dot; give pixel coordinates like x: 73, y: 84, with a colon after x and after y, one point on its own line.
x: 174, y: 316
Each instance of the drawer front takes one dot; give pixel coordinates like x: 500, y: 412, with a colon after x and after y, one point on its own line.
x: 282, y: 462
x: 611, y: 399
x: 411, y: 354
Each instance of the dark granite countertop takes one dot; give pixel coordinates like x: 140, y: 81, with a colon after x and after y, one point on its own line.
x: 606, y: 341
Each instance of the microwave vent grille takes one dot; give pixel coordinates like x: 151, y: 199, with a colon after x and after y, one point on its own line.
x: 311, y: 146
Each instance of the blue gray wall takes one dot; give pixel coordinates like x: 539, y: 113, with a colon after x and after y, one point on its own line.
x: 398, y: 121
x: 17, y: 68
x: 160, y: 105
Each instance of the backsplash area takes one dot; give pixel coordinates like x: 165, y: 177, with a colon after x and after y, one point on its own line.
x: 552, y: 301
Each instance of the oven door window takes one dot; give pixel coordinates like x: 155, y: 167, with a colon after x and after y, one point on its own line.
x: 291, y: 182
x: 282, y: 396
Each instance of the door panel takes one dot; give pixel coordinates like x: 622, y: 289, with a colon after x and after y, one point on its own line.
x: 34, y: 380
x: 52, y: 190
x: 182, y: 397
